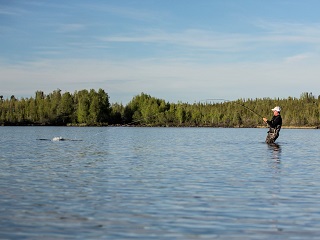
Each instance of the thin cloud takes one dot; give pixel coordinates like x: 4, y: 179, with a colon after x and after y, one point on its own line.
x: 219, y: 41
x: 12, y: 11
x: 124, y: 12
x: 195, y: 80
x: 71, y: 27
x: 191, y: 37
x: 297, y: 58
x: 290, y: 31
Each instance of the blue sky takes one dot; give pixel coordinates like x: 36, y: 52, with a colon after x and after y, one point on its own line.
x: 174, y: 50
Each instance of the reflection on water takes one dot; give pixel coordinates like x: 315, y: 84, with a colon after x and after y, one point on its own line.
x: 276, y: 151
x: 164, y: 183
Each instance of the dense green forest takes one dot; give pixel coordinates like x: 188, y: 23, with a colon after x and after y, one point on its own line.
x: 93, y: 108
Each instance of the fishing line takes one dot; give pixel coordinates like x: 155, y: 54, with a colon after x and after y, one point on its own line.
x: 143, y: 118
x: 211, y: 99
x: 97, y: 133
x: 219, y: 99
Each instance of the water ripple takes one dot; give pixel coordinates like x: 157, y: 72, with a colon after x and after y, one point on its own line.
x: 163, y: 183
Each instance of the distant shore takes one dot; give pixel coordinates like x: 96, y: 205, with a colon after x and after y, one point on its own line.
x: 164, y: 126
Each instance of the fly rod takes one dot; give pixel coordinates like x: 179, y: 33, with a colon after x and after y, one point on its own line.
x: 224, y: 100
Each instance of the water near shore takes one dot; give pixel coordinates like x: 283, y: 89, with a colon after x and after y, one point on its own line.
x: 158, y: 183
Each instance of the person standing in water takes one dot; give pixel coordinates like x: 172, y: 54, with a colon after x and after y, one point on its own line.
x: 274, y: 125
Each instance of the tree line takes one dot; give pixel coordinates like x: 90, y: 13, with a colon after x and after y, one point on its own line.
x: 93, y: 108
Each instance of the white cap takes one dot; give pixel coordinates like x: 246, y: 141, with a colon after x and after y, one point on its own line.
x: 277, y: 108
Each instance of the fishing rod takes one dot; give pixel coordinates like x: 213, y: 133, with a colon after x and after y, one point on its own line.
x: 212, y: 99
x: 224, y: 100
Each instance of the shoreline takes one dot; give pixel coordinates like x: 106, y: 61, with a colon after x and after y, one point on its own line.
x: 128, y: 125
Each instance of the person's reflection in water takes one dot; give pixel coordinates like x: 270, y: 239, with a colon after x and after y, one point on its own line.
x: 275, y: 186
x: 276, y: 151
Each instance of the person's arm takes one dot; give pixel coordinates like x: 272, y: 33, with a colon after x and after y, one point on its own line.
x: 274, y: 122
x: 270, y: 123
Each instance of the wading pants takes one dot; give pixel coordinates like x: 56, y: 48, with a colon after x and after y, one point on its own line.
x: 273, y: 134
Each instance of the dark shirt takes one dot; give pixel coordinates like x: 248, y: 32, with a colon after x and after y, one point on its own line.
x: 275, y: 122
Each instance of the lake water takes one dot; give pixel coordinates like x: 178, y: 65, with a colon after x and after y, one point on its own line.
x: 158, y: 183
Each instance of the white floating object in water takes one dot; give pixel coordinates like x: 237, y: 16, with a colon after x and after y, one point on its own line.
x: 57, y: 139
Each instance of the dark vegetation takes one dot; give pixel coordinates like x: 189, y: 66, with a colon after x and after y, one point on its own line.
x: 92, y: 108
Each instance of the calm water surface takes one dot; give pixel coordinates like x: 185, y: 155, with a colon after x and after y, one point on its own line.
x: 158, y: 183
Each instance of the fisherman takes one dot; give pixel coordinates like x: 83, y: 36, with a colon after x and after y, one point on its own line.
x: 275, y: 125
